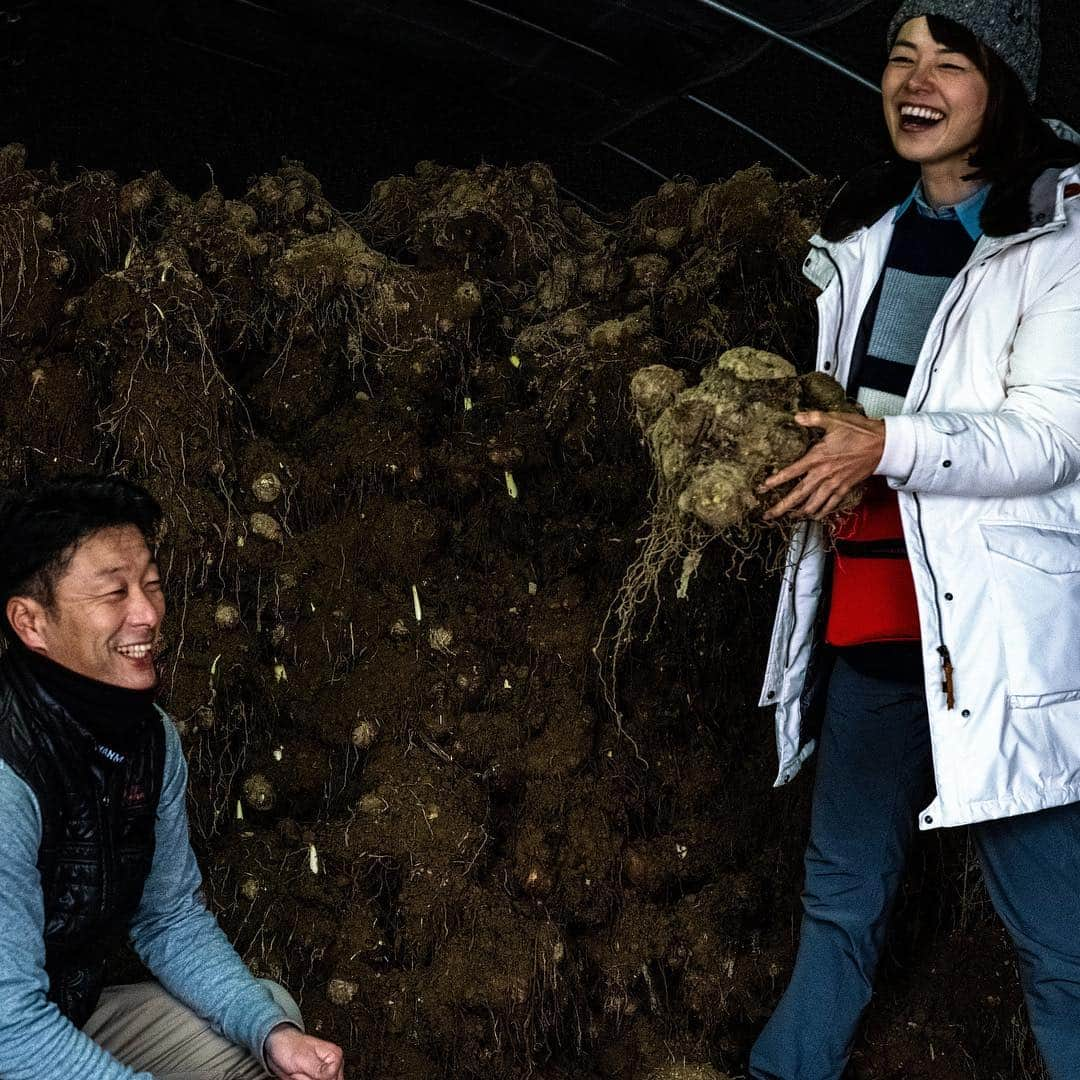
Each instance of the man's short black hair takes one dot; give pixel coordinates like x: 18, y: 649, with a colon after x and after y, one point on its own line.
x: 42, y: 525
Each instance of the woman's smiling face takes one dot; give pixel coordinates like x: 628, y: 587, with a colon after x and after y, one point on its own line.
x: 935, y: 99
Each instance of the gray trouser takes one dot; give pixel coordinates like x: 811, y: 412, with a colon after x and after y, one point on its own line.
x: 874, y: 774
x: 150, y: 1031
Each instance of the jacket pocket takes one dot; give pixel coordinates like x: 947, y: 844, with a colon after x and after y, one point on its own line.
x: 1036, y: 584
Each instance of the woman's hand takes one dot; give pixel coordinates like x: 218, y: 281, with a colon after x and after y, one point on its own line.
x: 292, y: 1055
x: 845, y: 456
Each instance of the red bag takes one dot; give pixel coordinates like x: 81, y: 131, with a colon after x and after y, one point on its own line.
x: 873, y: 593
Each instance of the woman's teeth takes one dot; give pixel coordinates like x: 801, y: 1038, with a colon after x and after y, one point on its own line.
x: 914, y: 117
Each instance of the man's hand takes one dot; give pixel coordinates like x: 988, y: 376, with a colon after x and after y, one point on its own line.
x: 846, y: 455
x: 292, y: 1055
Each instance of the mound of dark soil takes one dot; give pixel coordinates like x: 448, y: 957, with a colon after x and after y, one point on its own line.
x: 403, y: 481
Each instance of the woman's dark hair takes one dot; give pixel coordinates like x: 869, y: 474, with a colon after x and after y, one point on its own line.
x: 1013, y: 132
x: 42, y: 525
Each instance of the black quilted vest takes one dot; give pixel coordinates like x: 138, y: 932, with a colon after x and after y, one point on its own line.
x: 98, y: 810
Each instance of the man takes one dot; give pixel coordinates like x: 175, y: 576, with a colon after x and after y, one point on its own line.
x: 94, y: 841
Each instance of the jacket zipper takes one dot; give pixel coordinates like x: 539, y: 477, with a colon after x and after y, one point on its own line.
x: 942, y: 649
x: 941, y: 341
x: 802, y: 551
x: 107, y: 818
x: 947, y: 670
x: 839, y: 322
x: 794, y: 605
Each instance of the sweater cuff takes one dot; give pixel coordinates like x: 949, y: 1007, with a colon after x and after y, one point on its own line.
x: 898, y: 458
x: 283, y: 1022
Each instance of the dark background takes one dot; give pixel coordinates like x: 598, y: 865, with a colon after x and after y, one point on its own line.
x: 361, y: 90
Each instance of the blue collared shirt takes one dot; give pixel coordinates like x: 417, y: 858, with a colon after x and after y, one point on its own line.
x: 967, y: 212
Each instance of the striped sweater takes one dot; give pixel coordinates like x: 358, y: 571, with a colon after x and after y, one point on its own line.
x: 873, y: 595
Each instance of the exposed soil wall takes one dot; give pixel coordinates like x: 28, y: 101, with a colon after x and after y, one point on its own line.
x: 403, y: 481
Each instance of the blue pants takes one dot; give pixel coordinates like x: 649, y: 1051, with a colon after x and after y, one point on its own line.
x: 874, y: 775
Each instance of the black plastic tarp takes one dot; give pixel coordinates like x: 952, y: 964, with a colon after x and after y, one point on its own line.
x: 614, y: 93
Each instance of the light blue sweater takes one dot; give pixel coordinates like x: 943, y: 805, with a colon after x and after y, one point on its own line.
x: 176, y: 937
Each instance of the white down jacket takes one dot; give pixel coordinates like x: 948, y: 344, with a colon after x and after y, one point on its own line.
x: 991, y: 513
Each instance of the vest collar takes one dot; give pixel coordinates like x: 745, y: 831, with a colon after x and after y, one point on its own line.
x: 114, y: 719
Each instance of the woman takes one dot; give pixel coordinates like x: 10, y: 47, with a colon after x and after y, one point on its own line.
x: 951, y: 601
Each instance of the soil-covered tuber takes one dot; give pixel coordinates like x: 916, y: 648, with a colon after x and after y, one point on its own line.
x: 712, y: 446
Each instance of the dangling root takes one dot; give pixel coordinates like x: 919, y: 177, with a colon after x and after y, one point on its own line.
x: 671, y: 536
x: 674, y: 540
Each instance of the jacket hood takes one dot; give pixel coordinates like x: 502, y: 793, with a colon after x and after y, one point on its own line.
x: 1009, y: 208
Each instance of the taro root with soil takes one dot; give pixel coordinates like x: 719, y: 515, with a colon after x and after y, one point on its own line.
x: 712, y: 445
x: 402, y: 483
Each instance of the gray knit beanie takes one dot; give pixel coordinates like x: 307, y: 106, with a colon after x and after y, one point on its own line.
x: 1009, y: 27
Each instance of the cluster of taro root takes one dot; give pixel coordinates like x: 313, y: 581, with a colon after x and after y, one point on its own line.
x: 714, y: 443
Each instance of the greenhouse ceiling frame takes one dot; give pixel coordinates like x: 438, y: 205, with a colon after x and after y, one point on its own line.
x: 604, y: 139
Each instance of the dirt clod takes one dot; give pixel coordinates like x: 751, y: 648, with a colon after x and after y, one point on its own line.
x: 265, y: 526
x: 266, y: 487
x: 259, y: 792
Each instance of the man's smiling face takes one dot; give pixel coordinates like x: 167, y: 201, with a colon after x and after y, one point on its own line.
x: 935, y: 99
x: 107, y: 613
